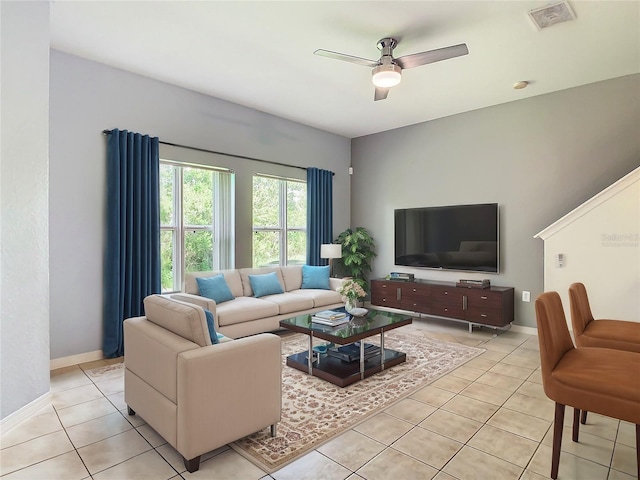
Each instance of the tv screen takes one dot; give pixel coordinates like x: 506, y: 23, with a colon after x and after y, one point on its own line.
x: 458, y: 237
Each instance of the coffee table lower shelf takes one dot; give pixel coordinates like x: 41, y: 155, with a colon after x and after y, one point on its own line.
x: 343, y: 373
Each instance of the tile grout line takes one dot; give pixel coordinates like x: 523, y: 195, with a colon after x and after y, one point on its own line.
x: 491, y: 416
x: 133, y: 427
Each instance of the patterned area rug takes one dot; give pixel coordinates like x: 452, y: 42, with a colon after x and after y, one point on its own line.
x: 314, y: 411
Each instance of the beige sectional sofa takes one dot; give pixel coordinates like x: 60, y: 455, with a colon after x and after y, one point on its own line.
x: 248, y: 315
x: 196, y: 395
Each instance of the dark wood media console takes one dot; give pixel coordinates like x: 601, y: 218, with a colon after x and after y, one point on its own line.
x: 480, y: 306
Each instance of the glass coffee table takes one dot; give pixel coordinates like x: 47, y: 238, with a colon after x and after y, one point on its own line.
x: 343, y: 372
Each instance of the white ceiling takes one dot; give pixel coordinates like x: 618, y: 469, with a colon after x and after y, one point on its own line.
x: 260, y: 54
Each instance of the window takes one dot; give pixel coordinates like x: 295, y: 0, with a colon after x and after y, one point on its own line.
x: 196, y: 221
x: 279, y: 221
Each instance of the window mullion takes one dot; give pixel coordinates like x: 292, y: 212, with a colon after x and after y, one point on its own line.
x: 283, y: 222
x: 179, y: 254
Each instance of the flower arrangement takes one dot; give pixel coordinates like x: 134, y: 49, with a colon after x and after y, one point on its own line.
x: 351, y: 290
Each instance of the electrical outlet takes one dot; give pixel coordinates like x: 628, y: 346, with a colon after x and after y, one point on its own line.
x: 526, y: 296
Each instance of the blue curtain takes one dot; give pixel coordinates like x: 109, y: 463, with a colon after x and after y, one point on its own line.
x: 132, y: 249
x: 319, y: 213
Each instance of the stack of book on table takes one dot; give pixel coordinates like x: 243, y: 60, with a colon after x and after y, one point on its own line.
x: 331, y: 318
x: 351, y: 352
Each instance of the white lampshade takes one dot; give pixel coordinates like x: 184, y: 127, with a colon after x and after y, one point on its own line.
x: 386, y: 76
x: 330, y: 250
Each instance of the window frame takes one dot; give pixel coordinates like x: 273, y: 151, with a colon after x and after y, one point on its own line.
x: 284, y: 228
x: 179, y: 229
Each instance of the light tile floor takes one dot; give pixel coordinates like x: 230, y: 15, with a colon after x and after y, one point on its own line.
x: 488, y: 420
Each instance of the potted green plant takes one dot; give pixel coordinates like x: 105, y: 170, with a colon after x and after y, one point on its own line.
x: 358, y: 251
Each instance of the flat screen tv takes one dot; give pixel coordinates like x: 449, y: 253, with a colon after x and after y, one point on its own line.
x: 457, y: 237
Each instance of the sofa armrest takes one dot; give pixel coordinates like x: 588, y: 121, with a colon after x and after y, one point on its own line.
x: 152, y: 355
x: 334, y: 283
x: 202, y: 302
x: 228, y: 391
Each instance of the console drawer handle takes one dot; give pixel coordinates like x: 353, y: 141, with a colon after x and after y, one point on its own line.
x: 483, y: 298
x: 483, y: 315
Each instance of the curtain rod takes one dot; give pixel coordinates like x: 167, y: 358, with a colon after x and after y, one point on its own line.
x: 105, y: 132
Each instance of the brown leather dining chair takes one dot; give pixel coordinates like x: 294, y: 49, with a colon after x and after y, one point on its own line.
x: 605, y: 333
x: 600, y: 380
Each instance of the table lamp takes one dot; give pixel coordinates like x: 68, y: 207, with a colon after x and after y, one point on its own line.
x: 330, y: 251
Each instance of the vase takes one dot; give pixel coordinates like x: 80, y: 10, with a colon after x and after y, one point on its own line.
x: 351, y: 306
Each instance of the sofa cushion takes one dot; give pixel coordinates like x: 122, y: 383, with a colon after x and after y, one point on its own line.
x: 212, y: 327
x: 290, y: 303
x: 292, y: 276
x: 245, y: 309
x: 232, y: 277
x: 184, y: 319
x: 246, y: 283
x: 315, y: 277
x: 320, y: 298
x: 215, y: 288
x: 267, y: 284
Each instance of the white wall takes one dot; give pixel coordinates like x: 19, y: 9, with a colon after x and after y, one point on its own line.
x: 87, y: 97
x: 538, y: 158
x: 601, y: 249
x: 24, y: 196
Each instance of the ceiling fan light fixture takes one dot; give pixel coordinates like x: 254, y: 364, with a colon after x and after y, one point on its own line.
x: 386, y: 76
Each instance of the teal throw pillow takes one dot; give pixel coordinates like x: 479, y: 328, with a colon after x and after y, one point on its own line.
x: 212, y: 327
x: 215, y: 288
x: 315, y: 277
x: 265, y: 284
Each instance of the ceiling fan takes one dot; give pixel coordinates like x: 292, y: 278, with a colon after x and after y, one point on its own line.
x: 387, y: 71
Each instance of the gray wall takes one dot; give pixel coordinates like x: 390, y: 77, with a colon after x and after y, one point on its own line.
x: 87, y: 97
x: 24, y: 190
x: 538, y: 158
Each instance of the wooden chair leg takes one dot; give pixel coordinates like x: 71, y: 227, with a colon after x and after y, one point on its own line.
x: 576, y: 424
x: 583, y: 420
x: 558, y: 423
x: 192, y: 465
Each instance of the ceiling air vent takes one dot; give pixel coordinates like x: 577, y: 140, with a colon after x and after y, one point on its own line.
x: 552, y: 14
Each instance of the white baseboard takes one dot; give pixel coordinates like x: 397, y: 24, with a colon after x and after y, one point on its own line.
x: 523, y: 329
x: 75, y: 359
x: 25, y: 413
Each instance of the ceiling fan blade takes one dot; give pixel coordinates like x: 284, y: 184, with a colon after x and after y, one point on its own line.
x: 381, y: 94
x: 346, y: 58
x: 431, y: 56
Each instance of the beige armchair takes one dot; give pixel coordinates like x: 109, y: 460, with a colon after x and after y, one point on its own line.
x: 198, y: 396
